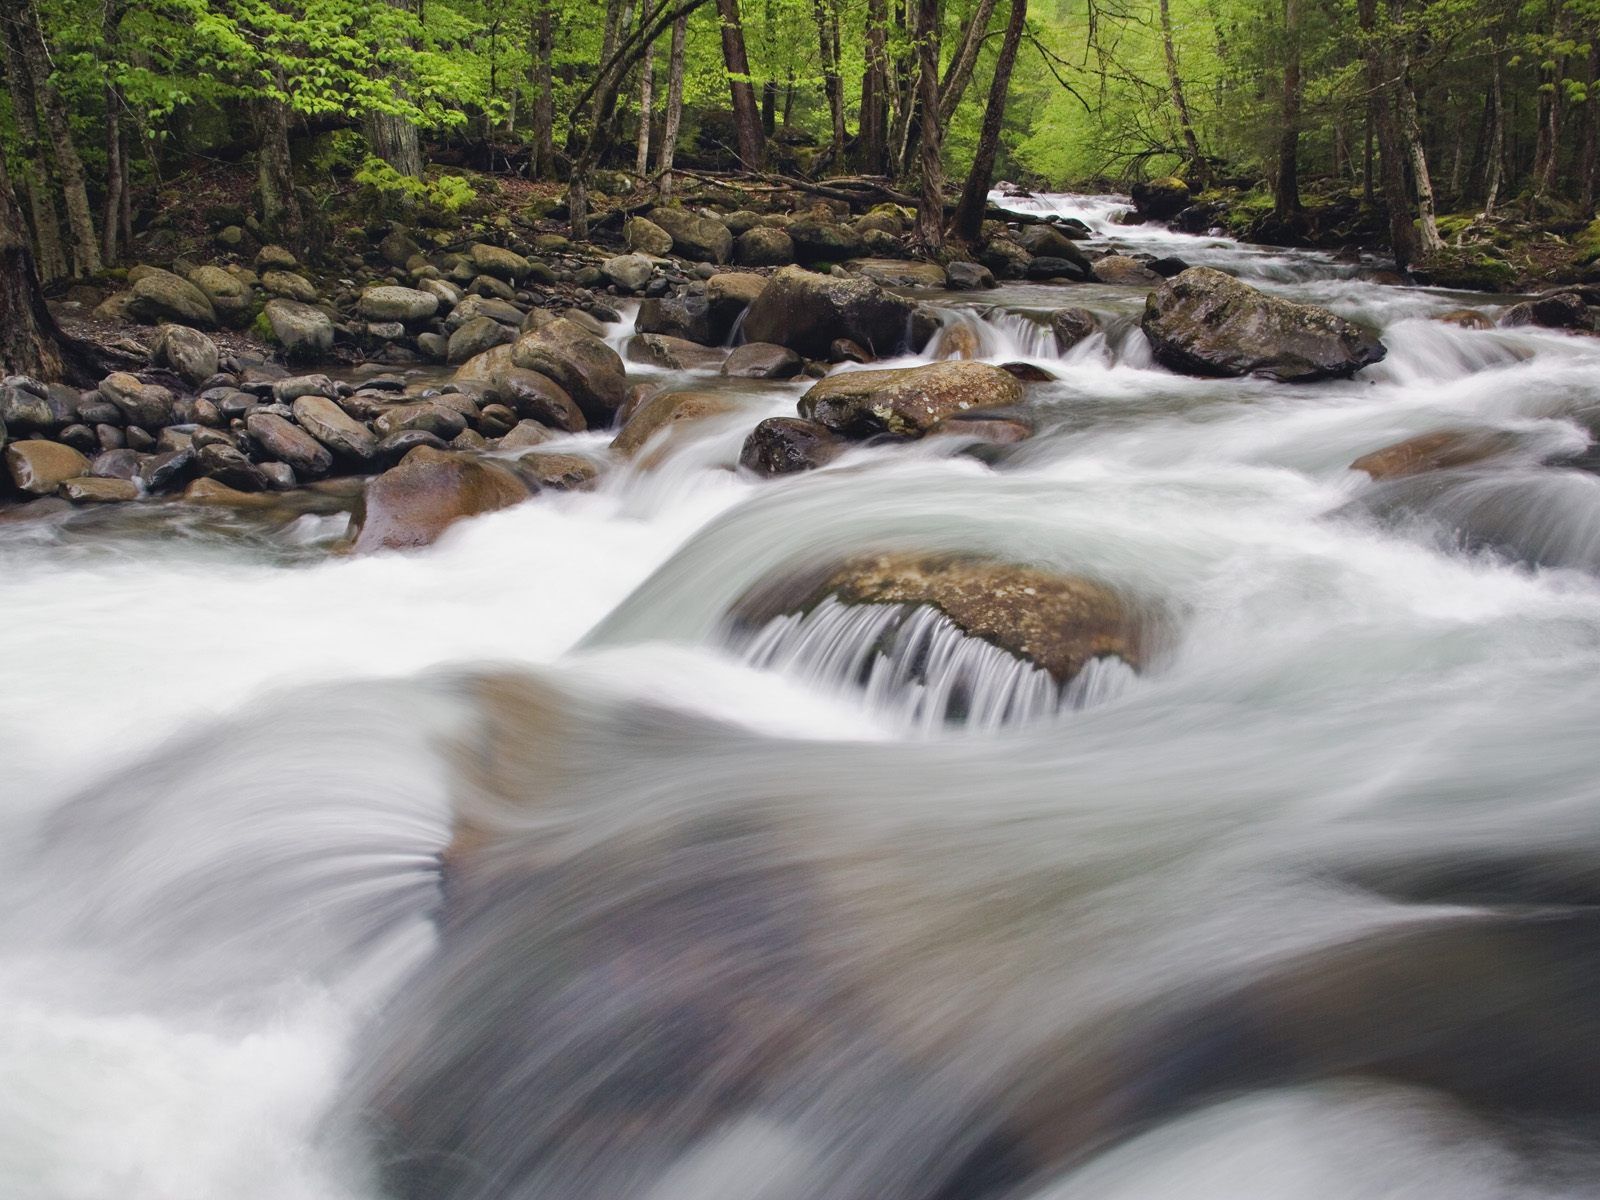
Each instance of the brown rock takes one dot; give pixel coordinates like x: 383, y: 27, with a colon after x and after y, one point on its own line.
x: 39, y: 468
x: 907, y: 401
x: 1437, y: 451
x: 413, y: 503
x: 668, y: 409
x: 89, y: 490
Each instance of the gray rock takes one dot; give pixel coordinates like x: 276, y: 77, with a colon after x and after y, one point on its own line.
x: 162, y: 296
x: 229, y: 467
x: 697, y: 238
x: 116, y: 464
x: 674, y: 354
x: 784, y: 445
x: 966, y: 277
x: 147, y: 405
x: 290, y: 285
x: 630, y: 272
x: 909, y: 401
x: 1071, y: 326
x: 336, y: 429
x: 288, y: 443
x: 646, y: 237
x: 1203, y: 322
x: 806, y: 312
x: 498, y: 262
x: 302, y: 331
x: 393, y: 303
x: 539, y: 398
x: 24, y: 410
x: 287, y: 391
x: 825, y: 241
x: 763, y: 246
x: 585, y: 367
x: 476, y: 336
x: 191, y: 354
x: 444, y: 423
x: 273, y: 257
x: 167, y: 471
x: 231, y: 297
x: 762, y: 360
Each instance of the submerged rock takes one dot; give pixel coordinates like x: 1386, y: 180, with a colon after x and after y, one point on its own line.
x: 907, y: 401
x: 1071, y: 326
x: 1203, y: 322
x: 1437, y: 451
x: 413, y: 503
x: 668, y: 409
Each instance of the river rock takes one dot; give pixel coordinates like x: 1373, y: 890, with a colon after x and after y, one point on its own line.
x: 558, y: 472
x: 539, y: 398
x: 191, y: 354
x: 1206, y: 323
x: 1466, y: 318
x: 1564, y: 310
x: 1437, y: 451
x: 291, y: 388
x: 39, y: 468
x: 630, y: 272
x: 273, y: 257
x: 824, y: 241
x: 1045, y: 267
x: 968, y: 277
x: 25, y: 408
x: 498, y: 262
x: 86, y: 490
x: 689, y: 317
x: 525, y: 434
x: 411, y: 504
x: 585, y: 367
x: 162, y: 296
x: 1161, y: 199
x: 668, y: 409
x: 784, y: 445
x: 231, y: 297
x: 1123, y: 271
x: 646, y: 237
x: 1006, y: 258
x: 435, y: 418
x: 116, y: 464
x: 763, y: 246
x: 906, y: 401
x: 290, y: 285
x: 673, y: 354
x: 806, y: 312
x: 287, y: 442
x: 1058, y: 622
x: 343, y: 435
x: 471, y: 307
x: 762, y: 360
x: 699, y: 239
x: 147, y: 405
x: 228, y: 466
x: 476, y: 336
x: 391, y: 303
x: 302, y: 331
x: 167, y: 470
x: 213, y: 491
x: 1071, y: 326
x: 1049, y: 242
x: 892, y: 273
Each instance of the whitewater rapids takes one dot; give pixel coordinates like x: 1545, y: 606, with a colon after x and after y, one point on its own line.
x: 229, y: 959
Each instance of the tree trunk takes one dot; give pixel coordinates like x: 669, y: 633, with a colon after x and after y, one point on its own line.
x: 674, y: 115
x: 542, y: 38
x: 1590, y: 158
x: 394, y: 138
x: 35, y: 56
x: 959, y: 73
x: 647, y: 83
x: 1379, y: 66
x: 1286, y: 195
x: 280, y: 207
x: 1199, y: 172
x: 746, y: 116
x: 874, y: 123
x: 930, y: 207
x: 30, y: 343
x: 1405, y: 103
x: 116, y: 177
x: 968, y: 223
x: 827, y: 14
x: 1497, y: 134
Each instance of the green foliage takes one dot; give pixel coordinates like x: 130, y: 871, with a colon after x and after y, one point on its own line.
x: 388, y: 193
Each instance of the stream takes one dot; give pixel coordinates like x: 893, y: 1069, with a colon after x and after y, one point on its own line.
x: 848, y: 907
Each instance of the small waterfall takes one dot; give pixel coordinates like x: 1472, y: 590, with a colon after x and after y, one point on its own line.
x: 914, y: 663
x: 993, y: 335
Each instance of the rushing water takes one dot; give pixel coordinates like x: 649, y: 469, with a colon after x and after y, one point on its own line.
x: 847, y: 905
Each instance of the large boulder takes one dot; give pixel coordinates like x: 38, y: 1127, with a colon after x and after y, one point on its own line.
x: 1058, y: 622
x: 38, y: 468
x: 25, y: 408
x: 644, y: 236
x: 1203, y: 322
x: 537, y: 397
x: 191, y: 354
x: 688, y: 316
x: 1049, y: 242
x: 784, y: 445
x: 825, y: 241
x: 231, y: 297
x: 413, y: 503
x: 388, y: 302
x: 303, y: 332
x: 498, y: 262
x: 763, y: 246
x: 162, y: 296
x: 697, y: 238
x: 807, y: 312
x: 1561, y: 310
x: 346, y: 437
x: 585, y: 367
x: 1160, y: 199
x: 906, y: 401
x: 668, y: 410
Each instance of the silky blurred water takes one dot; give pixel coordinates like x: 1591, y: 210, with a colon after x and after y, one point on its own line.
x: 232, y: 758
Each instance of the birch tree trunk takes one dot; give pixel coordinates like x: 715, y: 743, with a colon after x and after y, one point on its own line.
x: 959, y: 73
x: 674, y: 114
x: 1198, y: 169
x: 647, y: 83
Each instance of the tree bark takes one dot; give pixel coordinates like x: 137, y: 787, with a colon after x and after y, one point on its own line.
x: 1286, y: 194
x: 1410, y: 130
x: 827, y: 14
x: 1589, y: 161
x: 30, y: 343
x: 542, y: 37
x: 1199, y: 172
x: 280, y: 207
x: 1497, y: 134
x: 959, y: 72
x: 1391, y: 159
x: 968, y: 223
x: 746, y: 116
x: 674, y: 115
x: 874, y: 122
x: 647, y: 83
x: 930, y: 208
x: 35, y: 56
x: 394, y: 138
